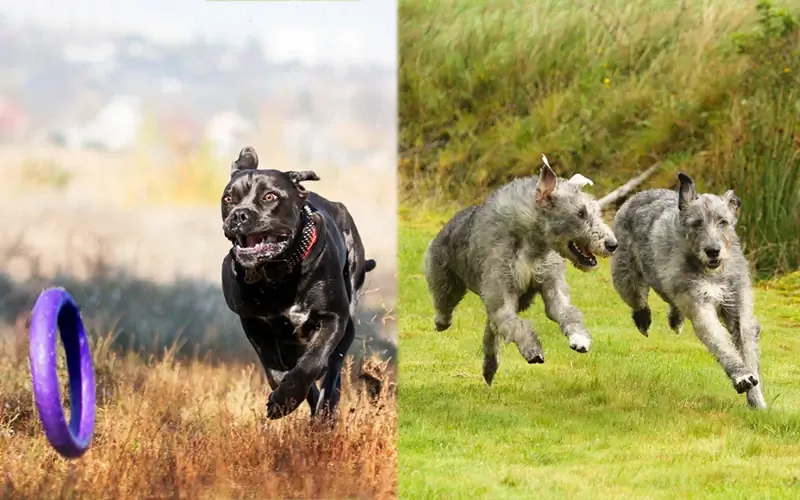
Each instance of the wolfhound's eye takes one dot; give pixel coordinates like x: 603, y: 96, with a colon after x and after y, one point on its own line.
x: 723, y: 222
x: 270, y: 196
x: 582, y: 213
x: 696, y: 223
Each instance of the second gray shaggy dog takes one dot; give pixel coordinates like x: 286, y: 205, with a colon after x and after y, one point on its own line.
x: 684, y: 246
x: 511, y: 248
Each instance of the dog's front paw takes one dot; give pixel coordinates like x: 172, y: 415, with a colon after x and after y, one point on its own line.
x: 279, y: 404
x: 744, y: 382
x: 675, y: 320
x: 580, y: 343
x: 643, y: 318
x: 533, y: 354
x: 490, y: 366
x: 755, y: 398
x: 442, y: 322
x: 528, y: 344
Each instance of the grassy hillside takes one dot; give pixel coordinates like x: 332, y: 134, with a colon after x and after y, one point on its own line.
x: 607, y: 89
x: 636, y: 417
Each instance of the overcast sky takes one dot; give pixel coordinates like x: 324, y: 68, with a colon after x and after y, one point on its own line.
x: 345, y: 30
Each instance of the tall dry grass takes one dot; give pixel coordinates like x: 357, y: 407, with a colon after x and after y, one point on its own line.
x: 169, y: 429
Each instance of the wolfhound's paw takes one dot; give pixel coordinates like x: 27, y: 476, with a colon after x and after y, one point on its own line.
x: 675, y: 319
x: 490, y: 365
x: 580, y: 343
x: 533, y: 356
x: 755, y: 399
x: 643, y: 319
x: 441, y: 323
x: 745, y: 382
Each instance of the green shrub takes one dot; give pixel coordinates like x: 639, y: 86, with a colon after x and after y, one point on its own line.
x: 760, y: 158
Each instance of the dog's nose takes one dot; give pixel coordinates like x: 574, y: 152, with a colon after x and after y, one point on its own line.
x: 712, y: 251
x: 241, y: 216
x: 611, y: 245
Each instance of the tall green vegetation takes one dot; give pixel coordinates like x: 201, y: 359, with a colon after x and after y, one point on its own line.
x: 607, y: 89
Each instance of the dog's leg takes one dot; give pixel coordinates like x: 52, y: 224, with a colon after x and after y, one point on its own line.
x: 502, y: 314
x: 675, y: 319
x: 491, y: 353
x: 719, y: 342
x: 332, y: 384
x: 558, y: 307
x: 631, y: 287
x: 445, y: 288
x: 751, y: 332
x: 275, y: 377
x: 298, y: 381
x: 745, y: 330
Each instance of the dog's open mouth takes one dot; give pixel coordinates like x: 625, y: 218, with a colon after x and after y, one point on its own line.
x: 262, y: 244
x: 713, y: 264
x: 582, y: 254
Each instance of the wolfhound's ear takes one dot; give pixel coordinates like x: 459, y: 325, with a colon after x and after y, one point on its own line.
x: 247, y: 160
x: 580, y: 181
x: 546, y: 185
x: 686, y: 192
x: 734, y: 202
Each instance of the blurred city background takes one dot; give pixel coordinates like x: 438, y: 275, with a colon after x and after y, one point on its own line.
x: 118, y: 123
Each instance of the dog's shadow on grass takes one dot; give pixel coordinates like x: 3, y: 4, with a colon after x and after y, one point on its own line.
x: 187, y: 315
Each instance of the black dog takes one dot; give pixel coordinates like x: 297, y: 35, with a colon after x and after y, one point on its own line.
x: 293, y: 277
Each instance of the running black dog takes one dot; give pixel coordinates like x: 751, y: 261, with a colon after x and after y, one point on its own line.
x: 293, y: 277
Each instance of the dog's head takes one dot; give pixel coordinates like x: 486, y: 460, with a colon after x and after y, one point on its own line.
x: 707, y: 223
x: 262, y: 209
x: 571, y: 219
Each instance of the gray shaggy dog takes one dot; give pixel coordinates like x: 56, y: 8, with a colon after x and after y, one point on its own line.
x: 511, y: 248
x: 684, y: 246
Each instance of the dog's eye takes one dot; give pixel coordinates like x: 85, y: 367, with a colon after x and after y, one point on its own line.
x: 270, y: 196
x: 227, y: 199
x: 723, y: 222
x: 582, y: 213
x: 696, y: 223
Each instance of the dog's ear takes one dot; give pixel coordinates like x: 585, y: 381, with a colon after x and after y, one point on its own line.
x: 733, y: 201
x: 247, y: 160
x: 580, y: 181
x: 302, y: 176
x: 686, y: 191
x: 546, y: 185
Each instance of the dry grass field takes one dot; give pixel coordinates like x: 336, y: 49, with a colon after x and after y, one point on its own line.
x: 192, y: 429
x: 180, y: 396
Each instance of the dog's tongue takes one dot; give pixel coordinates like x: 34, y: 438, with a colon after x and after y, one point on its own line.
x: 253, y: 240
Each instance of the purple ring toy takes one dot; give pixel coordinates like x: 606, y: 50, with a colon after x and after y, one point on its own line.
x: 55, y: 309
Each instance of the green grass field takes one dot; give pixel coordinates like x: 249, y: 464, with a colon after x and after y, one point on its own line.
x: 636, y: 417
